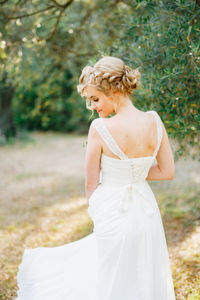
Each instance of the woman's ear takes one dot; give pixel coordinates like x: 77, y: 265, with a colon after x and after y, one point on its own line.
x: 112, y: 94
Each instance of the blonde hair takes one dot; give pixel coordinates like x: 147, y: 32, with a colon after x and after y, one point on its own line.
x: 109, y: 74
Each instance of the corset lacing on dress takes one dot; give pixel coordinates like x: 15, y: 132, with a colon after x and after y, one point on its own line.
x: 136, y: 168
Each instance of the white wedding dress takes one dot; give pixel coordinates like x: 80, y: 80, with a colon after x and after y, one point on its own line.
x: 126, y: 255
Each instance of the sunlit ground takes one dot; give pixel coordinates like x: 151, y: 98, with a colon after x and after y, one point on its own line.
x: 42, y: 203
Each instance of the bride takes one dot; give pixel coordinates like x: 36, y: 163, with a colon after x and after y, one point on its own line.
x: 126, y: 256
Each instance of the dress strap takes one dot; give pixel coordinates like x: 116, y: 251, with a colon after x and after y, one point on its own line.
x: 159, y: 130
x: 107, y: 137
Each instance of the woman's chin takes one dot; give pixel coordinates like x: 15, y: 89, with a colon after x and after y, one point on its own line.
x: 103, y: 114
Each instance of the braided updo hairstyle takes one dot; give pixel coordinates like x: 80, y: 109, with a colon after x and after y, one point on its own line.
x: 109, y: 74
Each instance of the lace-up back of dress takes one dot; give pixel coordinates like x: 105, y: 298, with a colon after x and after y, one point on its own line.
x: 125, y: 169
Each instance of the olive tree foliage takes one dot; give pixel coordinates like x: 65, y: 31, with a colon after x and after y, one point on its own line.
x: 35, y: 61
x: 164, y: 39
x: 45, y: 44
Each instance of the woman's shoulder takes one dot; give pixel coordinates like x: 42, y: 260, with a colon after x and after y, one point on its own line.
x: 141, y: 115
x: 115, y: 120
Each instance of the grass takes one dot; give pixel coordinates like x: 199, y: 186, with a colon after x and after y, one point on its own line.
x: 182, y: 227
x: 42, y: 203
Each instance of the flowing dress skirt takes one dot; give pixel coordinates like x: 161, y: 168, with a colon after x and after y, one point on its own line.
x: 126, y: 257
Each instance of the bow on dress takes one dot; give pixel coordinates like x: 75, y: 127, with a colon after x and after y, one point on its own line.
x: 129, y: 192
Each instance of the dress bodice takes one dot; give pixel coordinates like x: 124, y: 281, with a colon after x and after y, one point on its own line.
x: 125, y: 257
x: 120, y: 172
x: 124, y: 170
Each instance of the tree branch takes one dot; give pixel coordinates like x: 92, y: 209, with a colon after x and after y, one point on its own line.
x: 3, y: 2
x: 53, y: 31
x: 198, y: 2
x: 68, y: 3
x: 62, y: 5
x: 27, y: 15
x: 56, y: 3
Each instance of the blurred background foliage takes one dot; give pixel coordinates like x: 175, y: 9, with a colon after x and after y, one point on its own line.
x: 45, y: 44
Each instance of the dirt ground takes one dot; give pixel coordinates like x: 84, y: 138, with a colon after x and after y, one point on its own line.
x: 42, y: 203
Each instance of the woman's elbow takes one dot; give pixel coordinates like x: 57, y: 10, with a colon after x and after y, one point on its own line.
x: 167, y: 173
x: 170, y: 175
x: 90, y: 186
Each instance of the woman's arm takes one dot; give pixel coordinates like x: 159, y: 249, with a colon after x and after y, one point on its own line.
x: 165, y: 169
x: 92, y: 161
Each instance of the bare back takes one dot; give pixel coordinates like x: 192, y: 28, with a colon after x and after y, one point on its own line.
x: 136, y: 136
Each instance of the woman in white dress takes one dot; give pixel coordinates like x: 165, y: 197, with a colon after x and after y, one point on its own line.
x: 126, y: 255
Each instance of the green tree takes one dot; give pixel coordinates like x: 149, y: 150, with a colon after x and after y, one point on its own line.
x: 45, y: 42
